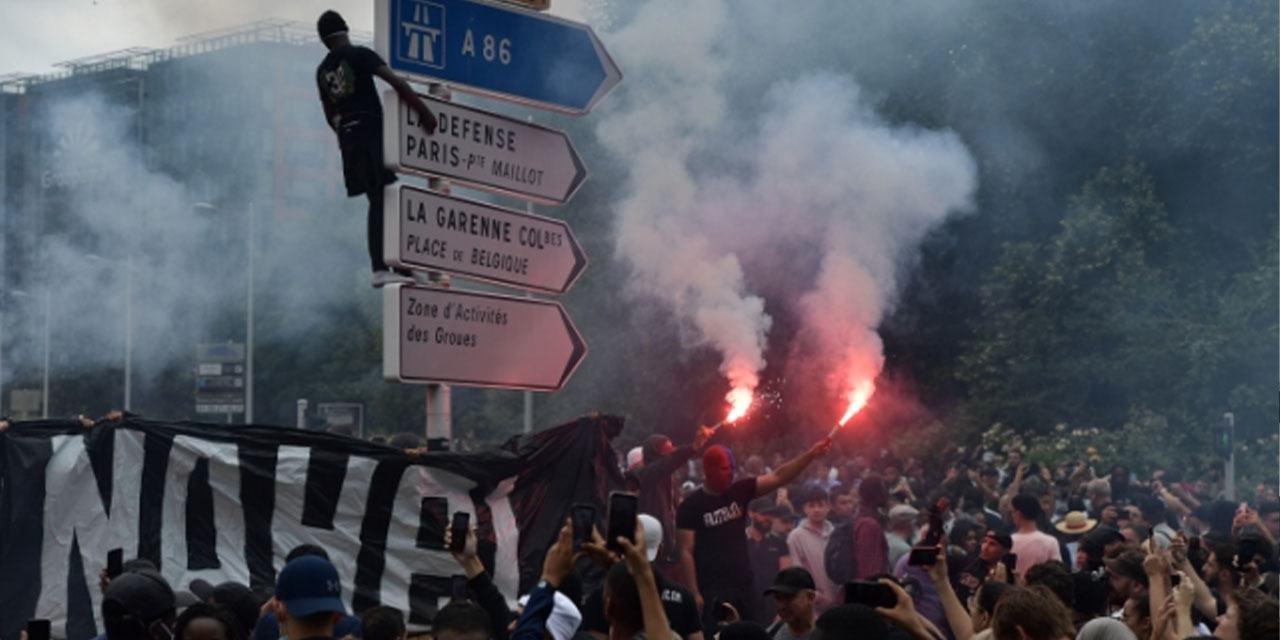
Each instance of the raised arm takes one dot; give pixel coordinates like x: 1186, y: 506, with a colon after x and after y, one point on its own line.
x: 957, y: 616
x: 769, y: 482
x: 656, y: 626
x: 410, y: 97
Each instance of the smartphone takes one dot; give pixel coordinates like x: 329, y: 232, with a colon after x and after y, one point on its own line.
x: 1122, y: 514
x: 584, y: 518
x: 1175, y: 579
x: 458, y: 589
x: 115, y: 563
x: 723, y: 612
x: 922, y: 556
x: 621, y: 519
x: 872, y: 594
x: 458, y: 531
x: 1010, y: 561
x: 38, y: 629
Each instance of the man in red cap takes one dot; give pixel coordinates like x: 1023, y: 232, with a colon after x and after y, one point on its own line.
x: 710, y: 523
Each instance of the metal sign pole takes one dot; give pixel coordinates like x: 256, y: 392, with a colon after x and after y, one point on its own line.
x: 439, y: 396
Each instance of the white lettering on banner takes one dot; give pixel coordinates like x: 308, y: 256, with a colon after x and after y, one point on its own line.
x: 73, y: 509
x: 224, y: 482
x: 506, y: 560
x: 343, y: 542
x: 402, y: 535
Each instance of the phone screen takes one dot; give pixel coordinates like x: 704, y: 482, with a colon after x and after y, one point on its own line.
x: 584, y: 518
x: 458, y: 531
x: 458, y: 589
x: 115, y: 563
x: 38, y: 629
x: 872, y: 594
x: 622, y: 518
x: 922, y: 556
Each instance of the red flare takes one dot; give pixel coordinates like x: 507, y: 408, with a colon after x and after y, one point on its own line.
x: 858, y: 397
x: 739, y: 401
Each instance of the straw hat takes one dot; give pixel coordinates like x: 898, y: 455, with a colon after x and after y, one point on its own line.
x: 1076, y: 522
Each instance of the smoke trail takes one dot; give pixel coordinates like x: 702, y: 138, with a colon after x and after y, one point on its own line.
x: 670, y: 52
x: 815, y: 202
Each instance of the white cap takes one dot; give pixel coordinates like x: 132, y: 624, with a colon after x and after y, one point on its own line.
x: 564, y: 619
x: 652, y: 535
x: 634, y: 458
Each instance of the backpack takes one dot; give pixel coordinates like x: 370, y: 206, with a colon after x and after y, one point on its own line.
x: 838, y: 557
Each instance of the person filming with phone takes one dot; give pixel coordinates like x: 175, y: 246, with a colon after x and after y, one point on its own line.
x: 710, y: 525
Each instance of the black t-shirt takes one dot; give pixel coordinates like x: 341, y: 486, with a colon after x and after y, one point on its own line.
x: 677, y: 603
x: 345, y: 80
x: 967, y: 575
x: 765, y: 555
x: 719, y: 545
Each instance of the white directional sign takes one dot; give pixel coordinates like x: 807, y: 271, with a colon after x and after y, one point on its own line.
x: 477, y: 339
x: 481, y: 149
x: 430, y: 230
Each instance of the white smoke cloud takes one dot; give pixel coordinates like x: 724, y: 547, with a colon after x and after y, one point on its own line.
x: 818, y: 202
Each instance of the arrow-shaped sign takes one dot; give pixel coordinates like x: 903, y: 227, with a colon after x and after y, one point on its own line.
x: 483, y: 150
x: 534, y: 59
x: 477, y: 339
x: 430, y: 230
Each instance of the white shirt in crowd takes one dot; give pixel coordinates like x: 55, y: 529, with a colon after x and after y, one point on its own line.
x: 1035, y: 548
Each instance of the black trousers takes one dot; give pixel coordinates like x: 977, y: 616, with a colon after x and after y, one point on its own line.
x: 363, y: 172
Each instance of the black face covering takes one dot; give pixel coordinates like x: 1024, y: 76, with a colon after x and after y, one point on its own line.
x: 762, y: 527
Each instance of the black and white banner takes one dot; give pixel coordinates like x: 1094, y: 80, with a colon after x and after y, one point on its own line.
x: 227, y: 503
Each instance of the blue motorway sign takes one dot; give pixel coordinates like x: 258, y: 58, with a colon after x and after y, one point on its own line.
x: 499, y: 51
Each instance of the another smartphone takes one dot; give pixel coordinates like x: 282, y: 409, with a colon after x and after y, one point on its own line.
x: 1175, y: 579
x: 458, y: 531
x: 1010, y: 561
x: 38, y: 629
x: 872, y: 594
x: 723, y: 612
x: 115, y: 563
x: 458, y: 589
x: 922, y: 556
x: 621, y: 518
x: 584, y: 518
x: 1122, y: 514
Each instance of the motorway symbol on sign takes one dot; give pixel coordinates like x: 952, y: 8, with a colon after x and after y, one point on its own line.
x: 483, y: 150
x: 430, y: 230
x: 477, y: 339
x: 534, y: 59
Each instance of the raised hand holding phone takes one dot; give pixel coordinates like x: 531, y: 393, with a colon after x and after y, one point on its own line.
x: 622, y: 519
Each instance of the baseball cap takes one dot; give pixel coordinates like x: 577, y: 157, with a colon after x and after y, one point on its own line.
x: 760, y: 505
x: 141, y: 595
x: 791, y: 580
x: 903, y: 513
x: 1003, y: 539
x: 652, y: 535
x: 309, y: 585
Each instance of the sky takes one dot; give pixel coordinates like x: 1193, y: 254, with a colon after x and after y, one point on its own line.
x: 53, y: 31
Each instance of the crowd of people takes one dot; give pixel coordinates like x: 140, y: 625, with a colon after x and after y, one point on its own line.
x: 819, y: 545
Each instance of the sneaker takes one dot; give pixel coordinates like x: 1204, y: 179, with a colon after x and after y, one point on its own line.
x: 381, y: 278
